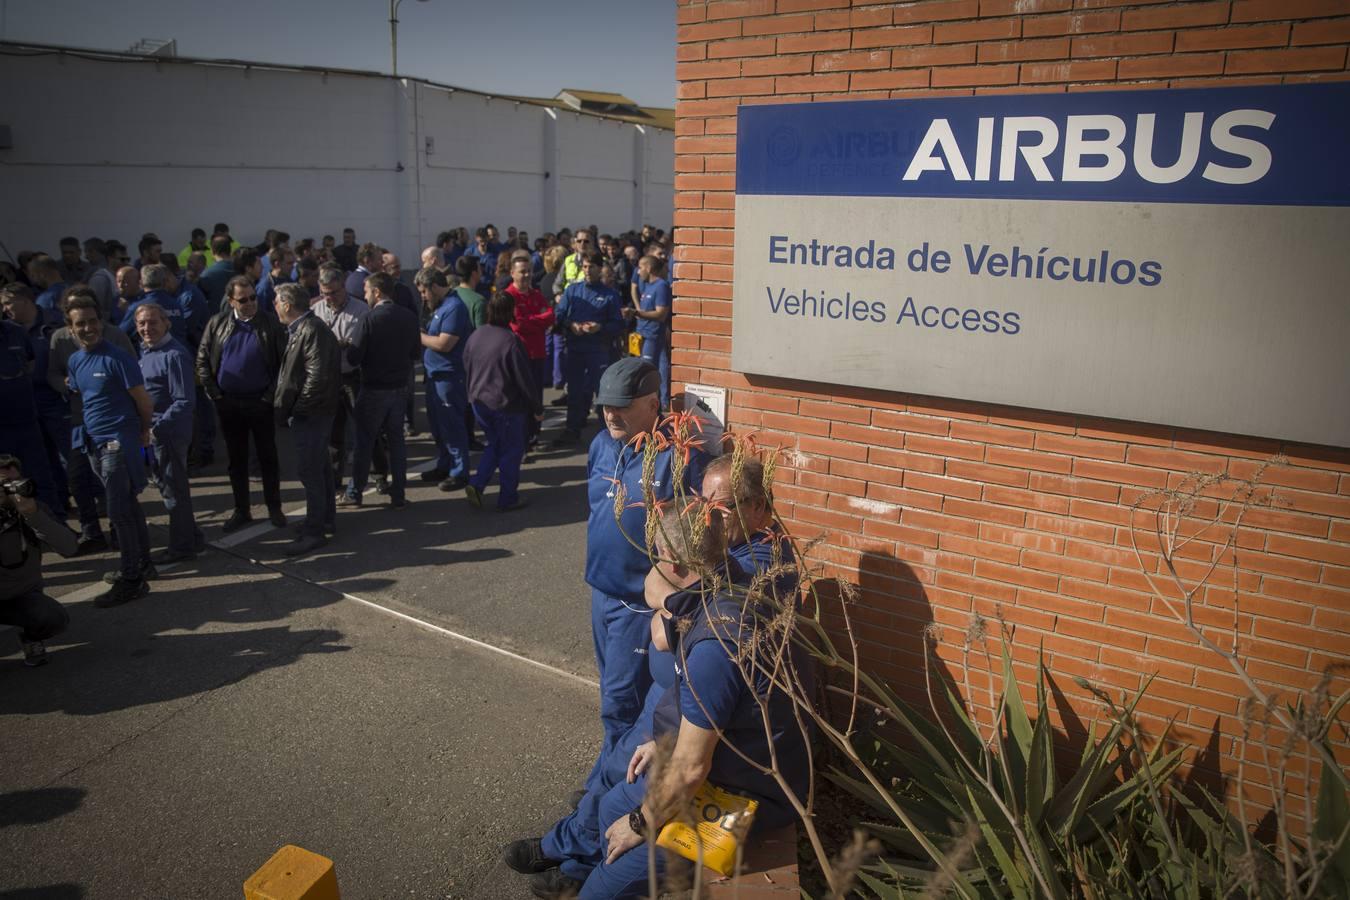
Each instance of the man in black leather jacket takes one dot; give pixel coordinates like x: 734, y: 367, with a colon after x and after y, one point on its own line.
x: 237, y: 364
x: 307, y: 394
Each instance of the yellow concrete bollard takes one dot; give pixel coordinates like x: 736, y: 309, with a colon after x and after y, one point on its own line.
x: 293, y: 873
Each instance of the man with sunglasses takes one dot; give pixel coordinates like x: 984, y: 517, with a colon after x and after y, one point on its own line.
x: 237, y: 364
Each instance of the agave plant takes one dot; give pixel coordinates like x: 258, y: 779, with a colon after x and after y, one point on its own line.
x: 994, y: 814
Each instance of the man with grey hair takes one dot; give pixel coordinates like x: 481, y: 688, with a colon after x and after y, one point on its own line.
x: 309, y: 387
x: 167, y: 367
x: 156, y: 279
x: 341, y: 312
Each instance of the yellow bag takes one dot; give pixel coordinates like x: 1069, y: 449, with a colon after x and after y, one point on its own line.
x: 634, y: 344
x: 723, y: 819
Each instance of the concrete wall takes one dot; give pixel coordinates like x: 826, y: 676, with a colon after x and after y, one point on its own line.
x: 115, y: 147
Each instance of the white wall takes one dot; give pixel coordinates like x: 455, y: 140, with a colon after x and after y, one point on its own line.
x: 115, y: 147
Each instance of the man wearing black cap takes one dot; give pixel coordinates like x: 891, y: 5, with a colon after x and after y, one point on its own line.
x: 616, y: 563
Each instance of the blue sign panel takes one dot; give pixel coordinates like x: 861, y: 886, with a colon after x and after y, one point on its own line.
x: 1248, y: 145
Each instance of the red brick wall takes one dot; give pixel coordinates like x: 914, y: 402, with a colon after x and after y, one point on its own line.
x: 939, y: 508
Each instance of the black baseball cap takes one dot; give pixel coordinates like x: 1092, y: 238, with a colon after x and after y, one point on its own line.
x: 626, y: 380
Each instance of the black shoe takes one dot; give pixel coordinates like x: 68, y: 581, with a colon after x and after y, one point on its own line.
x: 454, y: 484
x: 527, y: 857
x: 568, y: 438
x: 381, y: 484
x: 276, y: 517
x: 553, y: 884
x: 520, y: 503
x: 93, y: 544
x: 148, y: 573
x: 400, y: 503
x: 122, y: 592
x: 560, y: 401
x: 169, y: 557
x: 434, y: 475
x: 474, y: 496
x: 238, y: 519
x: 574, y: 799
x: 34, y: 653
x: 305, y: 544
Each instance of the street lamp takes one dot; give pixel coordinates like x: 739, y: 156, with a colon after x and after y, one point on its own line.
x: 393, y: 34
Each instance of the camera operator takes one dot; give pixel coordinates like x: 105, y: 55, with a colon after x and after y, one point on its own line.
x: 23, y: 523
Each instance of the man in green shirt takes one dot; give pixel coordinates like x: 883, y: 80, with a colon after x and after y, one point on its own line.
x: 466, y: 267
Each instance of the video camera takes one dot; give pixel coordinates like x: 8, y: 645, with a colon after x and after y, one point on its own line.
x: 18, y: 487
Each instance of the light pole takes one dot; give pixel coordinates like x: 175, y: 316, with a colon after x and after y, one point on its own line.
x: 393, y: 34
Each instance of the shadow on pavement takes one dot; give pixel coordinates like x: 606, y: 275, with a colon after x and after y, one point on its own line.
x: 38, y: 806
x: 138, y: 654
x: 51, y: 892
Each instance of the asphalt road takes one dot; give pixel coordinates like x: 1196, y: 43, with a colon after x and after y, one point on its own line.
x: 341, y: 702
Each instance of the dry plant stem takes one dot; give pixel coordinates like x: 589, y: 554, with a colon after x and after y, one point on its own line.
x: 1166, y: 525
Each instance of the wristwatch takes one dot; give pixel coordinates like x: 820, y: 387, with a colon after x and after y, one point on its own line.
x: 637, y: 822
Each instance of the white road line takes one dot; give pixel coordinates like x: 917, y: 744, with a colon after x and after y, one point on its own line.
x: 468, y: 640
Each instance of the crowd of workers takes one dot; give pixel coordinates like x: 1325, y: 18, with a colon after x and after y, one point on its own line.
x: 115, y: 374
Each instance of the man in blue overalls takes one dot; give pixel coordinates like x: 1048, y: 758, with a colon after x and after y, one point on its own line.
x: 589, y: 316
x: 447, y: 393
x: 616, y: 553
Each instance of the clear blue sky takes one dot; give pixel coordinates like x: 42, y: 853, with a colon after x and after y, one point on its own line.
x: 527, y: 47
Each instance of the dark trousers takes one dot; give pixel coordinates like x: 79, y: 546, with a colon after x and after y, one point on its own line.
x: 584, y: 368
x: 203, y: 448
x: 379, y: 416
x: 505, y: 434
x: 557, y: 354
x: 25, y: 441
x: 240, y: 418
x: 540, y: 367
x: 86, y: 487
x: 342, y: 441
x: 55, y: 424
x: 173, y: 485
x: 38, y: 616
x: 311, y: 435
x: 124, y: 508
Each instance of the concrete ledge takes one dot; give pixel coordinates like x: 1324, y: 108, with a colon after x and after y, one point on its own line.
x: 769, y: 869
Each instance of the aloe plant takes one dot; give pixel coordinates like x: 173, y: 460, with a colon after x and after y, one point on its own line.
x: 1018, y: 826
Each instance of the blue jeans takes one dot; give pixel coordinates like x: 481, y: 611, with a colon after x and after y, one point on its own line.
x: 124, y: 510
x: 622, y: 633
x: 657, y: 352
x: 584, y: 368
x: 380, y: 410
x: 505, y: 435
x: 447, y: 401
x: 172, y: 481
x: 311, y: 434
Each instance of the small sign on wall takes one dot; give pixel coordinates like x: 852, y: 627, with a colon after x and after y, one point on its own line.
x: 1172, y: 256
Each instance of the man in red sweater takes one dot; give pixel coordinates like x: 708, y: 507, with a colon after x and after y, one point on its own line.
x: 533, y: 319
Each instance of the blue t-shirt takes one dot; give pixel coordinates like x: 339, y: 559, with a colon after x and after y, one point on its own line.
x: 655, y: 293
x: 103, y: 376
x: 451, y: 317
